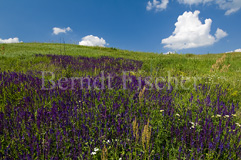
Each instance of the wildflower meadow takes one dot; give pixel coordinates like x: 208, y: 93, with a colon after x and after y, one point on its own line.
x: 106, y: 103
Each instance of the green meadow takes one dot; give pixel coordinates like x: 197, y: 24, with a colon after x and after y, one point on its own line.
x: 184, y: 72
x: 21, y: 58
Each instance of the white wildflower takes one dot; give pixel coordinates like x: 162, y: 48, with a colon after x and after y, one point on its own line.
x: 238, y: 124
x: 192, y: 123
x: 96, y: 149
x: 226, y: 116
x: 93, y: 153
x: 192, y: 127
x: 218, y: 115
x: 178, y: 115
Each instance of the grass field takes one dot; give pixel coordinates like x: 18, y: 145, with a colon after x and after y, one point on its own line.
x: 178, y: 106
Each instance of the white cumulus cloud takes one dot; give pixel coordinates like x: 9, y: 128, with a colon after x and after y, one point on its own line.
x: 57, y: 30
x: 91, y: 40
x: 230, y: 6
x: 157, y: 5
x: 220, y: 34
x: 237, y: 50
x: 10, y: 40
x: 169, y: 52
x: 191, y: 33
x: 192, y: 2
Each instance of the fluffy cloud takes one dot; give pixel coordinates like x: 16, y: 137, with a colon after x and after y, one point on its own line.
x: 57, y: 30
x: 191, y: 33
x: 237, y: 50
x: 191, y: 2
x: 10, y: 40
x: 157, y: 5
x: 230, y: 6
x: 220, y: 34
x: 91, y: 40
x: 169, y: 52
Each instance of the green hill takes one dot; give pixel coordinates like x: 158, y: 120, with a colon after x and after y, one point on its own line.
x: 155, y: 106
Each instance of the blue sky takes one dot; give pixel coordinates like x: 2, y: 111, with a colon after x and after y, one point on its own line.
x: 137, y: 25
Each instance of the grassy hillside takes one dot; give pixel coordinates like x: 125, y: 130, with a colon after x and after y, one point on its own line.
x: 189, y: 63
x: 21, y: 58
x: 171, y: 106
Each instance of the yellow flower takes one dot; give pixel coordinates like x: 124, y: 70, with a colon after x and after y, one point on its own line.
x: 229, y: 89
x: 161, y: 111
x: 182, y: 73
x: 235, y: 93
x: 218, y: 115
x: 177, y: 115
x: 132, y: 73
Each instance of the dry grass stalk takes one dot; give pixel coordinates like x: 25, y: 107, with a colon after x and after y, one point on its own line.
x: 95, y: 70
x: 2, y: 50
x: 141, y: 93
x: 219, y: 65
x: 225, y: 68
x: 104, y: 154
x: 146, y: 137
x: 135, y: 129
